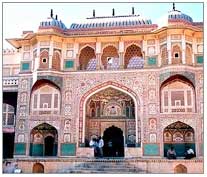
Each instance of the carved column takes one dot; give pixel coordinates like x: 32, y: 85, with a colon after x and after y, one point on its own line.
x: 98, y: 58
x: 169, y: 50
x: 121, y: 54
x: 76, y: 56
x: 183, y: 49
x: 121, y: 57
x: 50, y: 55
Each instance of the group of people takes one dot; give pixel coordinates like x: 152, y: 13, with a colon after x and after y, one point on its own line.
x: 97, y: 144
x: 189, y: 154
x: 10, y: 167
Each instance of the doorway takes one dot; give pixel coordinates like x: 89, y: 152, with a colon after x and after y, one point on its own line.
x: 49, y: 146
x: 113, y: 142
x: 38, y: 168
x: 8, y: 145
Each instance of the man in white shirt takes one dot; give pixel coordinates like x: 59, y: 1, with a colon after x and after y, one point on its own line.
x: 189, y: 153
x: 100, y: 146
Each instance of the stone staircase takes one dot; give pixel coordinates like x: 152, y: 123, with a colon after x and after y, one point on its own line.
x: 110, y: 166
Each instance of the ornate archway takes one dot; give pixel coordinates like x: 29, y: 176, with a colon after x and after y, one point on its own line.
x: 43, y: 140
x: 87, y: 59
x: 114, y: 86
x: 180, y: 136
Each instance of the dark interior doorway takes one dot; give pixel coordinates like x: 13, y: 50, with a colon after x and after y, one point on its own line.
x: 113, y: 142
x: 8, y: 145
x: 49, y: 146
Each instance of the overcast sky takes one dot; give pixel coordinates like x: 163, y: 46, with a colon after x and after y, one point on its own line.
x: 18, y: 17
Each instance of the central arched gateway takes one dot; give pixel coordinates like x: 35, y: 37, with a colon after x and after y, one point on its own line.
x: 113, y: 142
x: 110, y: 104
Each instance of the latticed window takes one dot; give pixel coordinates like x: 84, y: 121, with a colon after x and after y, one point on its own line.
x: 8, y: 114
x: 46, y: 100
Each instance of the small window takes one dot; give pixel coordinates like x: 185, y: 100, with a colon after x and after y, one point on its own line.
x: 44, y: 60
x: 176, y: 55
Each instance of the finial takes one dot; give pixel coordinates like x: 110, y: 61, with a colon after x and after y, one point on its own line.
x: 173, y: 6
x: 113, y: 12
x: 51, y: 13
x: 132, y: 10
x: 56, y: 17
x: 94, y: 13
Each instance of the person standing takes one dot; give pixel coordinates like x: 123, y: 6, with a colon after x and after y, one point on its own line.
x: 93, y: 143
x: 100, y: 146
x: 171, y: 154
x: 189, y: 153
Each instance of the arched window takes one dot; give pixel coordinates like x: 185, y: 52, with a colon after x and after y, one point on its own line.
x: 56, y: 60
x: 87, y: 59
x: 177, y: 95
x: 133, y: 57
x: 44, y: 59
x: 110, y: 58
x: 176, y: 54
x: 45, y: 100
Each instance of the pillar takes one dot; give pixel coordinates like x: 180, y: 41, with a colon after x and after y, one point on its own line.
x: 144, y: 50
x: 121, y: 54
x: 76, y: 55
x: 98, y: 58
x: 169, y: 50
x: 194, y: 50
x: 183, y: 50
x: 50, y: 55
x: 121, y: 60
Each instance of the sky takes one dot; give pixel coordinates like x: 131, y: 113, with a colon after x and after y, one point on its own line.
x: 18, y: 17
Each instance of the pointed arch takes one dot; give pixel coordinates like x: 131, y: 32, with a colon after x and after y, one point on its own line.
x: 109, y: 84
x: 110, y: 57
x: 45, y: 98
x: 56, y: 60
x: 176, y: 54
x: 43, y: 140
x: 177, y: 94
x: 178, y: 139
x: 87, y: 58
x: 133, y: 57
x: 44, y: 59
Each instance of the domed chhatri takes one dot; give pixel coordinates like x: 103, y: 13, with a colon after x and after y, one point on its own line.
x: 53, y: 22
x: 176, y: 15
x: 112, y: 21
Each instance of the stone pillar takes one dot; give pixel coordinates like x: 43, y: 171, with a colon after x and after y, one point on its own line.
x: 63, y: 56
x: 98, y: 55
x: 98, y: 58
x: 169, y: 50
x: 144, y: 51
x: 194, y: 50
x: 121, y: 54
x: 76, y: 55
x: 157, y: 52
x: 38, y: 55
x: 121, y: 60
x: 50, y: 55
x: 59, y: 144
x: 183, y: 49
